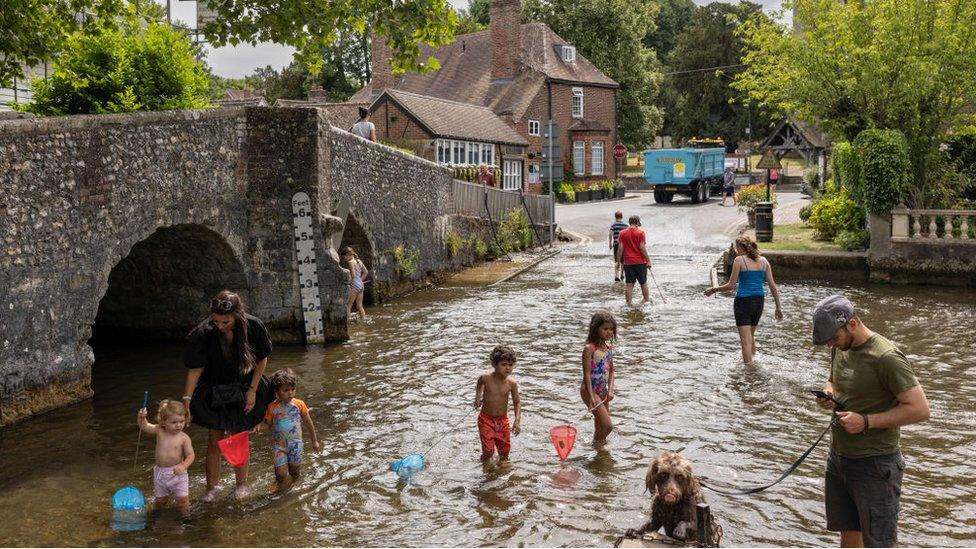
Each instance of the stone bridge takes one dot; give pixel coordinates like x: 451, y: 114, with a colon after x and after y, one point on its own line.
x: 123, y: 226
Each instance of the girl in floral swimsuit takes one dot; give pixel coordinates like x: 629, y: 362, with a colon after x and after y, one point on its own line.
x: 596, y: 389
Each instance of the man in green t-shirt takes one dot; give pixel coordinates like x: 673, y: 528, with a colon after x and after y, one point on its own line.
x: 877, y: 388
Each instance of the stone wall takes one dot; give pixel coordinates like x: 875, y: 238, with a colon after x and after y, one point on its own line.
x: 937, y: 262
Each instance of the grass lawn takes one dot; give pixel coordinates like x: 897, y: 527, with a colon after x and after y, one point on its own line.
x: 797, y: 237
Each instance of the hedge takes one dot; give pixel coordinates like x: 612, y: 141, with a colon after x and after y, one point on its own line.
x: 884, y: 170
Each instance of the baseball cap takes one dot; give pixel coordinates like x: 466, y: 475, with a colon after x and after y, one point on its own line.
x: 830, y: 314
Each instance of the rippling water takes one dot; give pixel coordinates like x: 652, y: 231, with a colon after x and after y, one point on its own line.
x: 409, y: 374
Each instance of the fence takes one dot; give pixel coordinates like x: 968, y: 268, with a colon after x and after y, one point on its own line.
x: 469, y: 199
x: 956, y: 226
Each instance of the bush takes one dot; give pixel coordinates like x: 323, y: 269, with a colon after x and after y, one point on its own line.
x: 453, y: 242
x: 750, y: 195
x: 853, y: 240
x: 124, y: 69
x: 810, y: 175
x: 884, y: 169
x: 607, y: 186
x: 836, y: 212
x: 406, y: 260
x: 805, y: 212
x: 961, y: 148
x: 478, y: 246
x: 514, y: 233
x: 566, y: 189
x: 844, y: 165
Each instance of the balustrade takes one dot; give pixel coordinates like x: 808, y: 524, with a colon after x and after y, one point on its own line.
x: 933, y: 225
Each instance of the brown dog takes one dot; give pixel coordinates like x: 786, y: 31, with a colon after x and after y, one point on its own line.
x: 676, y: 494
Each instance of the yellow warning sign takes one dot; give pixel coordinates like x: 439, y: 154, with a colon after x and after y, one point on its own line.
x: 769, y: 161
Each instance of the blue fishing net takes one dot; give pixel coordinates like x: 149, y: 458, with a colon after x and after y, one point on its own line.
x: 407, y: 467
x: 128, y: 510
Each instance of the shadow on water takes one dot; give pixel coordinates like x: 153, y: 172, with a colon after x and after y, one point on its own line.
x: 407, y: 376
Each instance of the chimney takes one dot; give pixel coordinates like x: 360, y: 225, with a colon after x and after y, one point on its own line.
x: 316, y: 93
x: 381, y: 74
x: 506, y: 40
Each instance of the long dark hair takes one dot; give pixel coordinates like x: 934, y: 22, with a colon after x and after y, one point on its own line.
x: 749, y: 246
x: 228, y: 303
x: 600, y: 318
x: 346, y: 262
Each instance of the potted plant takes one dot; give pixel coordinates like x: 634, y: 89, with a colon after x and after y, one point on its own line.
x: 750, y: 195
x: 565, y: 193
x: 607, y: 189
x: 619, y: 190
x: 583, y: 193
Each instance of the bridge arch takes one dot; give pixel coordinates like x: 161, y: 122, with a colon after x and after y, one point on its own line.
x: 161, y: 288
x: 355, y: 235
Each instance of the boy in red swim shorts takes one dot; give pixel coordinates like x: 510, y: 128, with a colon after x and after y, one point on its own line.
x: 491, y: 395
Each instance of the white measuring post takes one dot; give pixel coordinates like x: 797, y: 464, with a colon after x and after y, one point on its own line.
x: 308, y: 275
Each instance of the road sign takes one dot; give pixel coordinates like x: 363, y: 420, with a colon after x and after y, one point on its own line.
x: 619, y: 151
x: 769, y: 161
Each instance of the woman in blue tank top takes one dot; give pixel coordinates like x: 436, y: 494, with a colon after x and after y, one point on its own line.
x: 749, y: 272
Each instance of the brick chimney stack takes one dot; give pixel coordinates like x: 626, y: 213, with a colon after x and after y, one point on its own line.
x: 381, y: 74
x: 506, y: 40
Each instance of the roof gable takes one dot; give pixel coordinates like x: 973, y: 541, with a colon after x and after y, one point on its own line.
x: 444, y: 118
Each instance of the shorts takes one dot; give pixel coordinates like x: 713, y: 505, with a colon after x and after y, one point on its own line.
x: 636, y: 273
x: 495, y: 433
x: 748, y: 310
x: 167, y: 483
x: 287, y: 452
x: 729, y: 191
x: 615, y: 248
x: 862, y: 494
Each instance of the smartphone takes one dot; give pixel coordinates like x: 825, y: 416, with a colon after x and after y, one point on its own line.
x: 821, y: 394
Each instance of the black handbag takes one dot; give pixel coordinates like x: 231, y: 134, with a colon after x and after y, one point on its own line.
x: 228, y: 394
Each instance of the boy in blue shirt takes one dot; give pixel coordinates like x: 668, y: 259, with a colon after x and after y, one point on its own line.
x: 617, y: 226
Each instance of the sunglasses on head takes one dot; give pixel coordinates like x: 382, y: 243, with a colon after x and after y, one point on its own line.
x: 221, y: 306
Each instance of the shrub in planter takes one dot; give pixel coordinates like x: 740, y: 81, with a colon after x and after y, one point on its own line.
x: 619, y: 189
x: 583, y: 193
x: 607, y: 189
x: 565, y: 192
x: 750, y: 195
x: 884, y: 169
x: 834, y: 213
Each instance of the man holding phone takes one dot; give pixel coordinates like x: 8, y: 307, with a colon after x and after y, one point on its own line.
x: 880, y: 393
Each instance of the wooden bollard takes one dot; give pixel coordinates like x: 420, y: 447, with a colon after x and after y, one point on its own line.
x: 704, y: 515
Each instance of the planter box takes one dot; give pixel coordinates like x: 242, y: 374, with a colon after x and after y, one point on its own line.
x: 619, y: 192
x: 605, y: 194
x: 584, y: 196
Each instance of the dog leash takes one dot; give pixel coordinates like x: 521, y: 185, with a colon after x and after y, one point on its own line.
x: 781, y: 478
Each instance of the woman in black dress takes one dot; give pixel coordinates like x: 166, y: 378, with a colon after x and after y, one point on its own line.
x: 226, y: 391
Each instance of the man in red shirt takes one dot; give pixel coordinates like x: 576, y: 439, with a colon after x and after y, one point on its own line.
x: 632, y: 252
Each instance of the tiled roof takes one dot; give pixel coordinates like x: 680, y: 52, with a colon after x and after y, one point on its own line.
x: 465, y: 73
x: 445, y: 118
x: 242, y: 102
x: 341, y: 115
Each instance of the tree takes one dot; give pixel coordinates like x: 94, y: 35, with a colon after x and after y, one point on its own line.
x: 136, y: 66
x: 672, y: 18
x: 704, y: 103
x: 610, y: 34
x: 34, y: 31
x: 310, y: 26
x: 887, y: 64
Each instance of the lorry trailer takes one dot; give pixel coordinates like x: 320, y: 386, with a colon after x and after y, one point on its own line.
x: 689, y: 171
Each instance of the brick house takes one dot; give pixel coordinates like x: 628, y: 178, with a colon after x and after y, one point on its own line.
x: 450, y: 133
x: 522, y: 73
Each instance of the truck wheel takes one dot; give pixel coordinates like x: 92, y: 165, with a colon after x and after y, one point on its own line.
x: 659, y: 196
x: 696, y: 192
x: 668, y: 197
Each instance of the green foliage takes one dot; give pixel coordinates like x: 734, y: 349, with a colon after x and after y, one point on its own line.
x: 478, y: 246
x: 311, y: 27
x: 123, y: 69
x: 852, y: 240
x: 673, y: 17
x: 406, y: 260
x: 453, y: 242
x: 898, y: 64
x: 748, y: 196
x: 514, y: 233
x: 835, y: 212
x: 805, y: 212
x: 566, y: 189
x: 703, y: 101
x: 961, y: 149
x: 884, y: 169
x: 34, y: 31
x: 607, y: 186
x: 610, y: 34
x: 844, y: 165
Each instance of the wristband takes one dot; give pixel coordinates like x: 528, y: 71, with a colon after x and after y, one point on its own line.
x: 187, y: 398
x: 866, y: 427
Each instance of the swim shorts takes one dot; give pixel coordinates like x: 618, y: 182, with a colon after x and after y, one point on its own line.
x: 636, y: 273
x: 729, y: 190
x: 289, y: 453
x: 748, y: 310
x: 495, y: 433
x: 167, y: 483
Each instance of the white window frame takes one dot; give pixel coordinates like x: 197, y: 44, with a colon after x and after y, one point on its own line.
x: 579, y: 157
x: 577, y: 108
x: 595, y: 166
x: 569, y: 54
x: 534, y: 127
x: 511, y: 175
x: 474, y: 153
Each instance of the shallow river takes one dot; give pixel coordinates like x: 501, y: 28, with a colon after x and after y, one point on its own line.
x: 408, y: 375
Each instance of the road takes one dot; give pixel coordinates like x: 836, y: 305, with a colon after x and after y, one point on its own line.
x: 707, y: 223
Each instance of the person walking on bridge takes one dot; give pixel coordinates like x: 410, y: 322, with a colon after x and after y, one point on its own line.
x: 874, y: 382
x: 632, y: 253
x: 749, y: 272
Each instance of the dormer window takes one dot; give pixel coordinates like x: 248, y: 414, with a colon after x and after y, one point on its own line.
x: 569, y: 54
